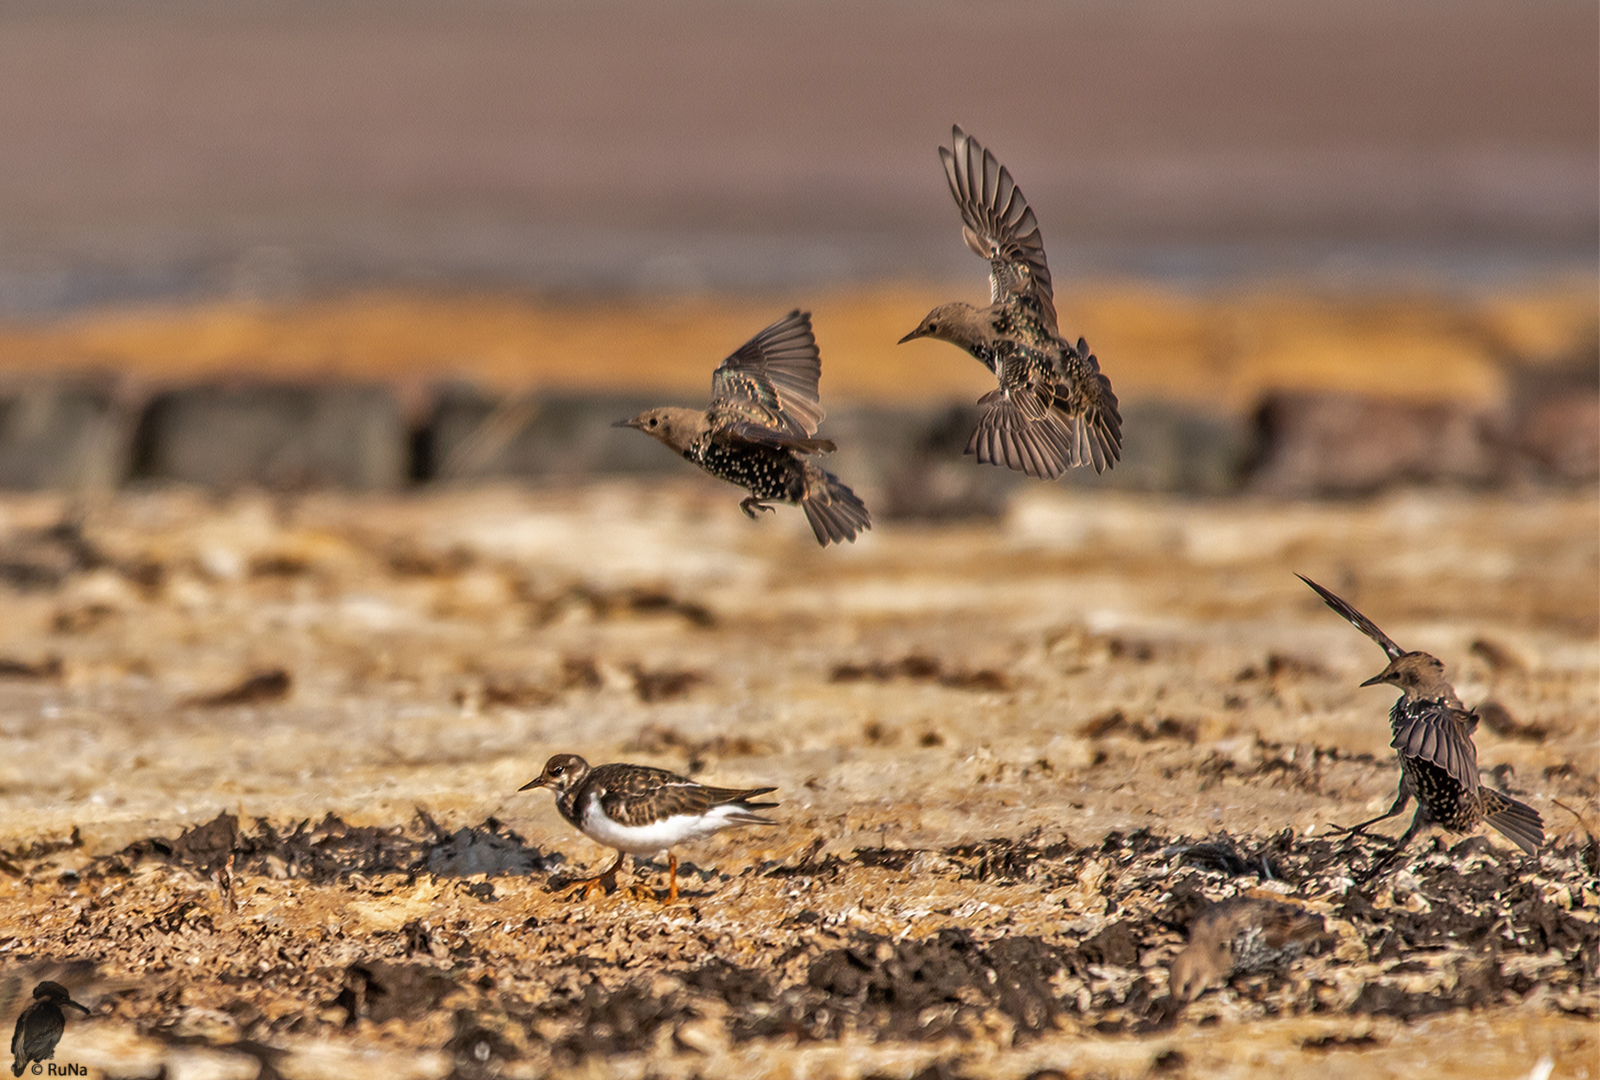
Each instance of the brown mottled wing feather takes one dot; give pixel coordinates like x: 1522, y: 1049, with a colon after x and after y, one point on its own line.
x: 998, y: 224
x: 1436, y: 733
x: 1088, y: 409
x: 638, y: 795
x: 742, y: 431
x: 772, y: 379
x: 1356, y: 619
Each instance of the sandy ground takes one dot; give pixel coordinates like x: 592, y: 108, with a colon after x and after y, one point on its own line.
x: 991, y: 744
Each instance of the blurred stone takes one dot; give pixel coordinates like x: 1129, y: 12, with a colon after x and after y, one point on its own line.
x: 1174, y: 447
x: 562, y: 435
x: 1555, y: 425
x: 911, y: 460
x: 281, y: 436
x: 62, y: 435
x: 1349, y: 444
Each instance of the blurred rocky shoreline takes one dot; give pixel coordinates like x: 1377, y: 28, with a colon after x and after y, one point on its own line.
x: 1276, y: 394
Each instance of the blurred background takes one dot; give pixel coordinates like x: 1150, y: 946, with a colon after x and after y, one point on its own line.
x: 452, y: 205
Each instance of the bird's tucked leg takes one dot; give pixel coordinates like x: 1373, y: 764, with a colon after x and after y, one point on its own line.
x: 606, y: 879
x: 752, y: 504
x: 1401, y: 801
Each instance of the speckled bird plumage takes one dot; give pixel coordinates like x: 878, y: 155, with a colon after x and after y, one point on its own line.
x: 1053, y: 408
x: 1241, y: 936
x: 758, y: 431
x: 40, y: 1025
x: 1433, y: 737
x: 640, y: 810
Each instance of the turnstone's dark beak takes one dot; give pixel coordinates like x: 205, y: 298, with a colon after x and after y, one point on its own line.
x: 84, y: 1009
x: 632, y: 422
x: 1378, y: 679
x: 537, y: 781
x: 918, y: 332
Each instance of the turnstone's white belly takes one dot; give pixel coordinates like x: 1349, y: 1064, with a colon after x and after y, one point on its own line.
x: 657, y: 836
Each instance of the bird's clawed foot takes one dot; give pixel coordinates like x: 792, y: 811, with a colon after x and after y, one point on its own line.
x: 752, y: 504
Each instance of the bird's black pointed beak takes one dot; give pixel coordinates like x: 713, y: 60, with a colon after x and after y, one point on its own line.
x: 914, y: 335
x: 1376, y: 679
x: 531, y: 784
x: 84, y: 1009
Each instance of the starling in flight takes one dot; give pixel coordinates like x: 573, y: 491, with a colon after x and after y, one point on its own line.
x: 1433, y: 735
x: 759, y: 430
x: 643, y: 811
x: 1053, y: 409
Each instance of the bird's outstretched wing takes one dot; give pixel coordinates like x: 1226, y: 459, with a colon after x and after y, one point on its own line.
x: 1434, y: 732
x: 1088, y: 409
x: 772, y: 380
x: 1357, y: 620
x: 998, y: 224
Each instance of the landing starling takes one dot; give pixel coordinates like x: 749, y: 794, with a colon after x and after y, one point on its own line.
x: 1433, y: 735
x: 40, y: 1026
x: 1054, y: 409
x: 643, y: 811
x: 1240, y: 936
x: 758, y: 430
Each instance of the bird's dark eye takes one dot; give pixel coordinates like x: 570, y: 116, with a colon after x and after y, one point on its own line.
x: 933, y: 327
x: 555, y: 770
x: 653, y: 421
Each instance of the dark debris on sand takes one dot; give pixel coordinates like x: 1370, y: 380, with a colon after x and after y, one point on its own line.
x: 1449, y: 928
x: 330, y: 851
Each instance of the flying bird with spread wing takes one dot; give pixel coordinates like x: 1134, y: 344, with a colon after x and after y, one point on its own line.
x: 1053, y: 409
x: 759, y: 431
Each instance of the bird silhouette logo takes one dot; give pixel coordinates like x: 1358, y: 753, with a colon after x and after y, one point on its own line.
x: 40, y: 1026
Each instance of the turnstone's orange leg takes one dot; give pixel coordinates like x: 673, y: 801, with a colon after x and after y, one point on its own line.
x: 672, y: 878
x: 608, y: 877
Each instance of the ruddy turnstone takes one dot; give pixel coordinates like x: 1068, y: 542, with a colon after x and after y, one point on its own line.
x: 1433, y: 736
x: 1053, y: 409
x: 40, y: 1026
x: 1242, y: 935
x: 639, y: 810
x: 758, y: 431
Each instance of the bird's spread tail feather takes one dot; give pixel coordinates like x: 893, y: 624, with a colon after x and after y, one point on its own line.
x: 835, y: 512
x: 1519, y: 822
x: 1007, y: 435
